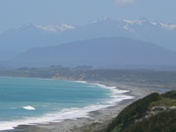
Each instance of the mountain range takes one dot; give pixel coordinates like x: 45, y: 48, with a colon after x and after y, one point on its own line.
x: 98, y: 52
x: 20, y: 39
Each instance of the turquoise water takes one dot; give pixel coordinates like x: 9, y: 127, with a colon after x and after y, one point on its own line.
x: 30, y: 101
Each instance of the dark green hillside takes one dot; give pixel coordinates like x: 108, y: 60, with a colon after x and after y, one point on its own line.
x: 153, y: 113
x: 162, y: 122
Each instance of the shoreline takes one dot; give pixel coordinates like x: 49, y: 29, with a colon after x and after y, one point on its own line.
x: 97, y: 119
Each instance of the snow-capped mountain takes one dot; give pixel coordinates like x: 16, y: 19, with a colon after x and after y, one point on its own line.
x: 140, y: 22
x: 24, y: 37
x: 160, y: 33
x: 143, y: 21
x: 30, y: 36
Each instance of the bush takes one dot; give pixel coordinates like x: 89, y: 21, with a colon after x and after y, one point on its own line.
x: 131, y: 113
x: 162, y: 122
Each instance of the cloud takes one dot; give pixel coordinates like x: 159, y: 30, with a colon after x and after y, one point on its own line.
x: 125, y: 2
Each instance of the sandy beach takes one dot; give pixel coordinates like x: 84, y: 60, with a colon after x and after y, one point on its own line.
x: 97, y: 120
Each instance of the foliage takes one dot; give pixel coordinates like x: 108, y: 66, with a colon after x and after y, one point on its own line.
x: 170, y: 95
x: 131, y: 119
x: 168, y: 99
x: 133, y: 112
x: 162, y: 122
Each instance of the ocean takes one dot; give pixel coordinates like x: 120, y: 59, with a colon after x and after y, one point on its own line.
x: 32, y: 101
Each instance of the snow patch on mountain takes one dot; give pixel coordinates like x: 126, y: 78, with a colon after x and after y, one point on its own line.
x: 165, y: 26
x: 126, y: 27
x: 168, y: 26
x: 48, y: 28
x: 140, y: 22
x: 55, y: 28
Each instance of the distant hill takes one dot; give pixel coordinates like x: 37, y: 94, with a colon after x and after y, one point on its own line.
x: 98, y: 52
x: 22, y: 38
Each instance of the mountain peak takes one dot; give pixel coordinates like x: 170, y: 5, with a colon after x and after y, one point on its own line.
x: 105, y: 18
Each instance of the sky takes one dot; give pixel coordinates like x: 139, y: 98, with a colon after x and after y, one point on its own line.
x: 15, y: 13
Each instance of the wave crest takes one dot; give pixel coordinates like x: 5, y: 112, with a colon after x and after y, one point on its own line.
x: 28, y: 107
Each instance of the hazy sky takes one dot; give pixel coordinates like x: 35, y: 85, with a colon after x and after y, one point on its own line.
x: 79, y: 12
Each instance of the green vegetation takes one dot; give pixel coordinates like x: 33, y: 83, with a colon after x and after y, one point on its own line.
x: 167, y: 100
x: 132, y: 113
x: 170, y: 95
x: 162, y: 122
x: 153, y: 113
x: 163, y: 102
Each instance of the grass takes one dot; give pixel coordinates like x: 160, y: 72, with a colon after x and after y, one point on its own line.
x: 164, y: 102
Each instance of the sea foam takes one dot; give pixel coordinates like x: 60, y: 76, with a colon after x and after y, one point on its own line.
x: 28, y: 107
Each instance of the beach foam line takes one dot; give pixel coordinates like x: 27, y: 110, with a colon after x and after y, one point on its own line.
x: 117, y: 95
x: 72, y: 113
x: 113, y: 88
